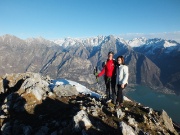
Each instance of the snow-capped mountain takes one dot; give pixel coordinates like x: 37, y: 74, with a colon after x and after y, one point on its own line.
x: 153, y: 62
x: 169, y: 44
x: 136, y: 42
x: 156, y: 42
x: 142, y: 42
x: 11, y: 40
x: 152, y: 46
x: 39, y: 40
x: 94, y: 41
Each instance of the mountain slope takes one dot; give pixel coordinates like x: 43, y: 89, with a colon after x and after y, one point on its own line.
x: 166, y: 55
x: 75, y: 59
x: 142, y: 70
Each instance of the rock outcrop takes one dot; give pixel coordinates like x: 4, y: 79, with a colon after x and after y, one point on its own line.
x: 31, y: 105
x: 65, y: 90
x: 82, y: 121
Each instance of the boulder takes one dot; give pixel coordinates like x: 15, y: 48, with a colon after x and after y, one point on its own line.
x: 95, y: 110
x: 120, y: 114
x: 36, y: 85
x: 126, y: 129
x: 167, y: 121
x: 38, y: 92
x: 65, y: 90
x: 81, y: 120
x: 132, y: 122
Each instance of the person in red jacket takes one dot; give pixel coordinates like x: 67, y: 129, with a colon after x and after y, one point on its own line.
x: 110, y: 78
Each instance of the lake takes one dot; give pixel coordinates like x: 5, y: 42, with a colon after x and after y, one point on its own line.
x: 148, y: 97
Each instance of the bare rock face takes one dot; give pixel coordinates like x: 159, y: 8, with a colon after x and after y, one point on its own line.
x: 35, y: 84
x: 120, y: 114
x: 167, y: 121
x: 65, y: 90
x: 82, y: 121
x: 30, y: 105
x: 126, y: 129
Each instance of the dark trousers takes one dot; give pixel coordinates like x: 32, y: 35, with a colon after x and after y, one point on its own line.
x: 110, y: 87
x: 120, y: 93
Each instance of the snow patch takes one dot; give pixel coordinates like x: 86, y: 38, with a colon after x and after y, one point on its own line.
x: 80, y: 88
x: 92, y: 41
x: 136, y: 42
x: 168, y: 44
x: 126, y: 99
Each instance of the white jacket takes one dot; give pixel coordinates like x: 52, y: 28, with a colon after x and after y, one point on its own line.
x: 122, y: 74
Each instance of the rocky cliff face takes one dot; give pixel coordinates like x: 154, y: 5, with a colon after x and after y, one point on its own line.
x: 30, y: 104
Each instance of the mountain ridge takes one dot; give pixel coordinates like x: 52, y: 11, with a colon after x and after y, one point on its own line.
x: 41, y: 55
x: 61, y: 41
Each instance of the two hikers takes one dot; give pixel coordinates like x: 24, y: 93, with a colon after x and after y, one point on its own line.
x: 116, y: 75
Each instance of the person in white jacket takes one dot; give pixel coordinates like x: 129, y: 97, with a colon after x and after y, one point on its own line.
x: 122, y: 75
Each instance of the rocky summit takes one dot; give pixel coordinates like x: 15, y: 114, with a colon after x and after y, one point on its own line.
x: 31, y: 105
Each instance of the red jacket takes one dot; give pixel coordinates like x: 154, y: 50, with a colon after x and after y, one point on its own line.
x: 109, y: 69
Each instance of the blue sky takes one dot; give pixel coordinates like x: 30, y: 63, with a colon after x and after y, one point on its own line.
x: 54, y: 19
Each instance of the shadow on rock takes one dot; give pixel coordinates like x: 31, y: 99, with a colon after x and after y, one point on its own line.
x: 51, y: 116
x: 8, y: 90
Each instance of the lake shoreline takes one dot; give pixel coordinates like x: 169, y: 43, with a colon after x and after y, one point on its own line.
x: 159, y: 90
x: 155, y: 99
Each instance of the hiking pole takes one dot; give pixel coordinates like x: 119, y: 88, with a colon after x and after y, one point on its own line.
x: 95, y: 73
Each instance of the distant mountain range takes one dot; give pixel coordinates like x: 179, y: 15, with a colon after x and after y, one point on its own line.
x: 152, y: 62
